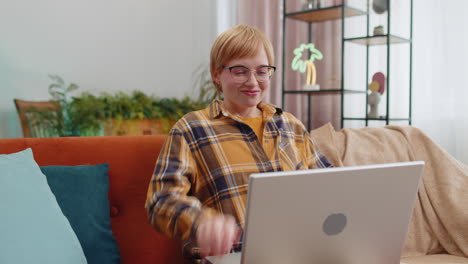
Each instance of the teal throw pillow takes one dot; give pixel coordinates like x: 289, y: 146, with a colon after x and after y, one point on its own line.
x: 81, y: 192
x: 33, y: 229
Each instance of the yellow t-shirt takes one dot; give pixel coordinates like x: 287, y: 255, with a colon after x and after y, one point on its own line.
x: 256, y: 123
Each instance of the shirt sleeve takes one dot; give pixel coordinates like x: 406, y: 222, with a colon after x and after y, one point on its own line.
x: 169, y: 207
x: 316, y: 159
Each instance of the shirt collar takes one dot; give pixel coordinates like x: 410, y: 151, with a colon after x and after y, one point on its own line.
x: 216, y: 109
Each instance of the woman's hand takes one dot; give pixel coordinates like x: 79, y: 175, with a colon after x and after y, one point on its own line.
x: 216, y: 235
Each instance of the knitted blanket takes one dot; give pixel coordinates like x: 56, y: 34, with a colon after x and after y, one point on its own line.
x: 439, y: 224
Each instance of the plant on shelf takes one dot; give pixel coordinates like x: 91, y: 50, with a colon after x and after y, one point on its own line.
x: 87, y: 115
x: 130, y: 113
x: 204, y: 90
x: 379, y: 30
x: 58, y: 122
x: 120, y: 113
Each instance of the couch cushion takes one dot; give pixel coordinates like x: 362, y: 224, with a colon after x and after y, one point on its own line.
x: 131, y: 163
x: 328, y: 143
x: 81, y: 192
x: 33, y: 228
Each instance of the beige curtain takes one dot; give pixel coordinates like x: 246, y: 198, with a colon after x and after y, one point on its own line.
x: 267, y: 15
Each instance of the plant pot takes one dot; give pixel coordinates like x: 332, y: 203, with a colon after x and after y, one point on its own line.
x: 311, y: 4
x: 378, y: 31
x: 137, y: 127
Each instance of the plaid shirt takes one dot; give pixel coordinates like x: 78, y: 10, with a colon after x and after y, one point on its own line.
x: 205, y: 163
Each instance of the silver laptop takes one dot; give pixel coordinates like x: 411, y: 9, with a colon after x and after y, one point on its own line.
x: 345, y: 215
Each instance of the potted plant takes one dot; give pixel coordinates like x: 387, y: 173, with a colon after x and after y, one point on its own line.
x: 120, y: 113
x: 379, y: 30
x: 204, y: 91
x: 135, y: 114
x: 129, y: 114
x: 57, y: 121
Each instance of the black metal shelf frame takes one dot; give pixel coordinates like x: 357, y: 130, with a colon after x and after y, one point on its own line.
x: 378, y: 40
x: 376, y: 119
x: 342, y: 12
x: 325, y: 14
x: 327, y: 91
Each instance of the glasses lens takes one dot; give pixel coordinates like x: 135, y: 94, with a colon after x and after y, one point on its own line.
x: 264, y: 74
x: 240, y: 74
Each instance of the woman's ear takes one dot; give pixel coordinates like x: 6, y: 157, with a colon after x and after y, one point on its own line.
x: 218, y: 86
x: 216, y: 81
x: 215, y: 77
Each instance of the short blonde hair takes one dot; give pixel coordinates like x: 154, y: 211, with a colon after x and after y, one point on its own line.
x: 238, y: 42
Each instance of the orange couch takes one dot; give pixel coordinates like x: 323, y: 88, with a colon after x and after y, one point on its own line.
x: 437, y: 233
x: 132, y: 161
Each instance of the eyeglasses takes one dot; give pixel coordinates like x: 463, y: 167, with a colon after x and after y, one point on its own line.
x: 241, y: 74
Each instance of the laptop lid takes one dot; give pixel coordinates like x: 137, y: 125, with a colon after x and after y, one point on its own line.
x: 346, y: 215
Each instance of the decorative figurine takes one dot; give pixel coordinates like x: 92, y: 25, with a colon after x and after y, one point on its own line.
x: 302, y: 66
x: 311, y: 4
x: 377, y: 88
x: 380, y: 6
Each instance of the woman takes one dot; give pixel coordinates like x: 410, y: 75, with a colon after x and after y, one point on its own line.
x: 199, y: 187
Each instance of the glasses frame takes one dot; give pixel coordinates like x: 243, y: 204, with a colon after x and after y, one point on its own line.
x: 254, y: 71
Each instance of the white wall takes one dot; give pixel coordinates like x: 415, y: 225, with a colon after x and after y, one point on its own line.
x: 102, y: 45
x: 226, y: 14
x: 439, y: 73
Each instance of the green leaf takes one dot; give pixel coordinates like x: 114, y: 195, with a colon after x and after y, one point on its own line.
x: 72, y: 87
x: 57, y: 79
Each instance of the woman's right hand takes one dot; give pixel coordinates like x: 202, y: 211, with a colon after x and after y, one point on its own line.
x: 216, y: 235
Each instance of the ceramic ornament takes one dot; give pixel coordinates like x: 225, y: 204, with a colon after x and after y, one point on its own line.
x: 380, y: 6
x: 380, y: 78
x: 377, y: 87
x: 374, y: 86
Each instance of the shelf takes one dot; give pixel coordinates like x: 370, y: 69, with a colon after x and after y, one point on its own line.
x: 347, y: 88
x: 376, y: 119
x: 325, y: 14
x: 324, y: 91
x: 378, y: 40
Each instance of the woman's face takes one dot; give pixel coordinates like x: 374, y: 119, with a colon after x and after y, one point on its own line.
x: 242, y: 98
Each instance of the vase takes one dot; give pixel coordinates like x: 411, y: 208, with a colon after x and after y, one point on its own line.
x: 373, y: 100
x: 380, y: 6
x: 311, y: 4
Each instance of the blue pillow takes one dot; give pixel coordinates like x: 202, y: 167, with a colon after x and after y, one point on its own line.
x: 81, y: 192
x: 33, y: 229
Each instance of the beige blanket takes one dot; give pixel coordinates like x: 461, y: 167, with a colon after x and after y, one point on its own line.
x: 440, y: 219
